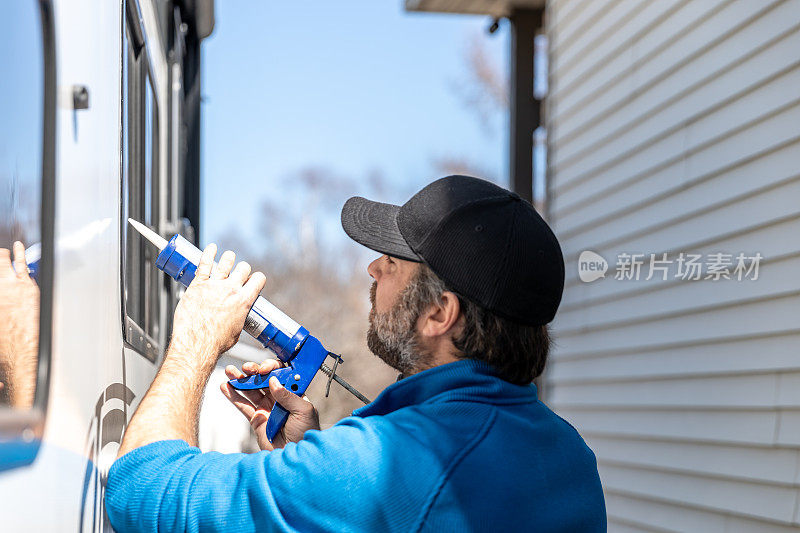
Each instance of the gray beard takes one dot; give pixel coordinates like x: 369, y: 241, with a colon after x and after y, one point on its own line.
x: 392, y: 335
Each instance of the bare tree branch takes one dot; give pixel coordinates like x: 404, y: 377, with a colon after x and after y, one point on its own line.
x: 484, y: 87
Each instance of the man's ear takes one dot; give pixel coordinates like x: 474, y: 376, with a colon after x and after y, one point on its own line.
x: 441, y: 317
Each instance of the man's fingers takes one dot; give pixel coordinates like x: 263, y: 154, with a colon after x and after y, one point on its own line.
x: 268, y: 366
x: 260, y: 417
x: 224, y: 265
x: 250, y: 368
x: 255, y: 397
x: 244, y: 406
x: 241, y: 272
x: 206, y: 261
x: 254, y: 286
x: 20, y: 266
x: 233, y: 373
x: 290, y: 401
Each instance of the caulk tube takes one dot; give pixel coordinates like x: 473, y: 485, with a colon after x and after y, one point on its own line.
x: 32, y: 256
x: 268, y: 324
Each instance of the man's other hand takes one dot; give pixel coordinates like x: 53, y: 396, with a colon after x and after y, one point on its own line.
x: 256, y: 405
x: 19, y: 328
x: 210, y: 316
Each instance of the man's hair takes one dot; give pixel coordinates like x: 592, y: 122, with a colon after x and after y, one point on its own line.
x: 517, y: 351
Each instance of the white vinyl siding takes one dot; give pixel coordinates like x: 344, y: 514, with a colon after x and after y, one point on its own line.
x: 674, y: 126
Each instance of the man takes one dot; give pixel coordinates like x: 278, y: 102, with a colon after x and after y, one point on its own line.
x: 461, y: 298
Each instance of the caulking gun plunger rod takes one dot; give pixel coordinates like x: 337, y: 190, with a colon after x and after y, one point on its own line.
x: 302, y: 353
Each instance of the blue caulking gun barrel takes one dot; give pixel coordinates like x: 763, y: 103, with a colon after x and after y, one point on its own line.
x: 302, y: 353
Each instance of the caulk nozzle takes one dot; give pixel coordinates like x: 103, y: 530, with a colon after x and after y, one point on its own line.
x: 159, y: 241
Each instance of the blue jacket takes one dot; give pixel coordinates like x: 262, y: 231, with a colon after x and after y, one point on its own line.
x: 453, y: 448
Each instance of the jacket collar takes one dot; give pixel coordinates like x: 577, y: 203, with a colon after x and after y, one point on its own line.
x: 465, y: 380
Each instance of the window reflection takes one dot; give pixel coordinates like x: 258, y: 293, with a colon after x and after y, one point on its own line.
x: 21, y: 108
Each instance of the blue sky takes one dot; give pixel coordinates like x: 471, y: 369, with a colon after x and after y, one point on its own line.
x: 355, y: 87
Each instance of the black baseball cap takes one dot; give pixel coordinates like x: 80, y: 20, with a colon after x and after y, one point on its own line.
x: 486, y: 243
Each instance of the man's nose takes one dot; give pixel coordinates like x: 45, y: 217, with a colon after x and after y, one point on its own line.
x: 373, y: 269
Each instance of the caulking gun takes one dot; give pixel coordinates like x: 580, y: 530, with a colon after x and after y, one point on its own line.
x: 302, y: 353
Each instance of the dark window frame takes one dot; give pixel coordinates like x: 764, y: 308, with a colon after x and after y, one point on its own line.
x: 142, y: 285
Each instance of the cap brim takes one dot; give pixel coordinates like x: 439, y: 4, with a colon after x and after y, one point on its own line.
x: 374, y: 225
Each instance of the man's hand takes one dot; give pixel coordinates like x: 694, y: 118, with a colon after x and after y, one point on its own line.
x: 208, y: 321
x: 256, y: 405
x: 210, y: 316
x: 19, y: 327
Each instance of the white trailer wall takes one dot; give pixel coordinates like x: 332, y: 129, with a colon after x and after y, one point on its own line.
x: 674, y: 126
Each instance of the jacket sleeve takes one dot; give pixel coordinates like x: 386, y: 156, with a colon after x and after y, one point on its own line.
x: 312, y: 485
